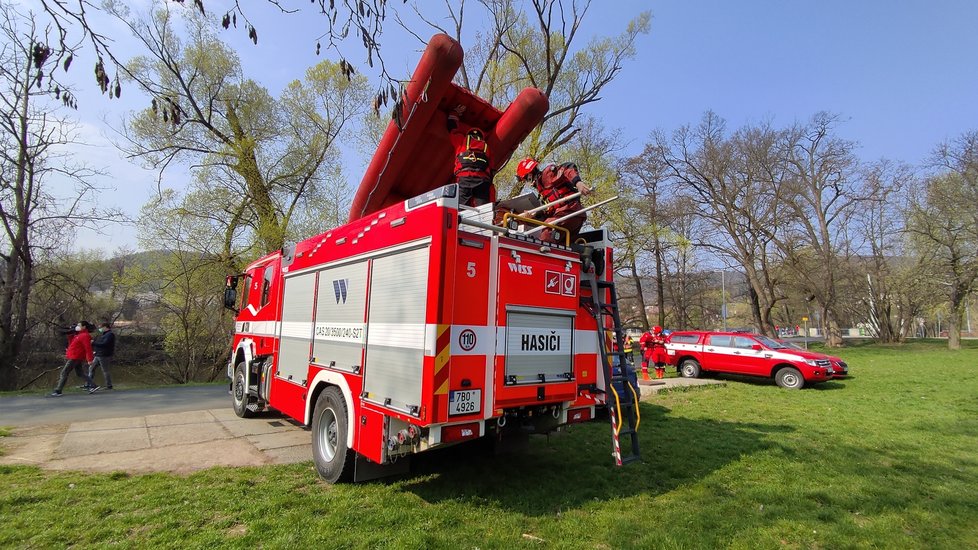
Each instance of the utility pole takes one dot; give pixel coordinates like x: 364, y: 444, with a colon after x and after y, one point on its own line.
x: 723, y: 299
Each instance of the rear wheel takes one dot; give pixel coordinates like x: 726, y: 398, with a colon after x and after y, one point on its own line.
x: 790, y: 378
x: 689, y: 368
x: 333, y: 459
x: 239, y: 393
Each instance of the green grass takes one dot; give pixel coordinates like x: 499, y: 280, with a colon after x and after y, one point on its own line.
x: 886, y: 459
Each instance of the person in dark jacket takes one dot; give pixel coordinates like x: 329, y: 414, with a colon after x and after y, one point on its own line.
x: 104, y: 348
x: 78, y: 353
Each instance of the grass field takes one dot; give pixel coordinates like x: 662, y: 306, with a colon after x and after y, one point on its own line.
x: 886, y: 459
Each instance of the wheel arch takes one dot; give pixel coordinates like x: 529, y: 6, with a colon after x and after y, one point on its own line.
x: 320, y: 382
x: 782, y: 366
x: 245, y: 352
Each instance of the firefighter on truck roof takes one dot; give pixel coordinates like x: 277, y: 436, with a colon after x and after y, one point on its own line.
x: 472, y: 161
x: 553, y: 183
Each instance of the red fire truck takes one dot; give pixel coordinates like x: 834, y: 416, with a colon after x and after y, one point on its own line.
x: 423, y: 323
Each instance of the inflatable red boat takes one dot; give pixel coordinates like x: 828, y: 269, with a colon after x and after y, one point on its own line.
x: 415, y: 155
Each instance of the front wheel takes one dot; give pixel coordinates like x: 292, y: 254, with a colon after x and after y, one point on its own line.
x: 333, y: 459
x: 689, y: 368
x: 789, y: 378
x: 239, y: 393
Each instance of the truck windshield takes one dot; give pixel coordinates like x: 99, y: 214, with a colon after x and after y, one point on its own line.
x: 773, y: 344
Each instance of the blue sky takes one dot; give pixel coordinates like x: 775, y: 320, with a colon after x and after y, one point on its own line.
x: 902, y: 74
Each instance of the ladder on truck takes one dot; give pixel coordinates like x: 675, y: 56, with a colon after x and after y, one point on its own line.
x: 621, y: 393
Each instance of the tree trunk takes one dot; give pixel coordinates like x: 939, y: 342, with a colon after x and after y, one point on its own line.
x: 833, y: 334
x: 954, y: 321
x: 639, y: 295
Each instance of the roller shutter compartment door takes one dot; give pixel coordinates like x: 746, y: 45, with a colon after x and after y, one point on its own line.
x: 396, y: 329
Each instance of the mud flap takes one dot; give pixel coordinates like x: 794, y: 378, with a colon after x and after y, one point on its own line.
x: 365, y: 469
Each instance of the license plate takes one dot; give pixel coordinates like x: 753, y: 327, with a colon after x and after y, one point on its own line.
x: 464, y: 402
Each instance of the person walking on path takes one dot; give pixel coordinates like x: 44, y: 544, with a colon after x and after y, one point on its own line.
x: 78, y: 353
x: 104, y: 348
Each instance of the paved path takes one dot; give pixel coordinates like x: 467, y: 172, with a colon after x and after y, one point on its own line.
x: 75, y: 404
x: 174, y: 429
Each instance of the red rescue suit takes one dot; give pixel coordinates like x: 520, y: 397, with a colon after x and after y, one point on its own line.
x: 554, y: 183
x: 654, y: 351
x: 471, y: 170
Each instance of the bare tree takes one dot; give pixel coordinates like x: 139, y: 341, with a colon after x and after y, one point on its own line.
x: 77, y: 25
x: 33, y: 152
x: 878, y: 225
x: 735, y: 184
x: 821, y: 194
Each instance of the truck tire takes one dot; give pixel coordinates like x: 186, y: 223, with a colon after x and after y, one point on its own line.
x: 239, y: 393
x: 333, y: 459
x: 689, y: 368
x: 790, y: 378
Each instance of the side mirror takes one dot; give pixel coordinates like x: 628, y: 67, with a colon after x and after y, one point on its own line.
x: 231, y: 293
x: 756, y: 347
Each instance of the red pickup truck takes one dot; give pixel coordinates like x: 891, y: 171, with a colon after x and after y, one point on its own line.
x: 694, y: 352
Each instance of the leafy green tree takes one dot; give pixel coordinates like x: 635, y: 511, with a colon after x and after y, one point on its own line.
x: 943, y: 226
x: 257, y: 159
x: 184, y: 285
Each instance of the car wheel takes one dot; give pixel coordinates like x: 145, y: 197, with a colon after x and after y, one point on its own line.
x: 333, y: 459
x: 239, y: 393
x: 789, y: 378
x: 689, y: 368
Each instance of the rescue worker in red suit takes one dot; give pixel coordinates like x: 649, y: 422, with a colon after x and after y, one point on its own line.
x: 471, y: 172
x: 552, y: 184
x: 654, y: 351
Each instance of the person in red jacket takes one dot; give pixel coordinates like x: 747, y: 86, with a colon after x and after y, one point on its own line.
x: 79, y: 353
x: 654, y: 351
x: 552, y: 184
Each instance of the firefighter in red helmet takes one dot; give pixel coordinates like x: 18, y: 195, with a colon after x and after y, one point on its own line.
x: 553, y: 183
x: 472, y: 170
x: 654, y: 351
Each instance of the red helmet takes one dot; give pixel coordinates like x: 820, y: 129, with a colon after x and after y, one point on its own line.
x: 656, y: 330
x: 525, y: 167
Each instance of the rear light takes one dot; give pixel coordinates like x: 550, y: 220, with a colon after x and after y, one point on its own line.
x: 460, y: 432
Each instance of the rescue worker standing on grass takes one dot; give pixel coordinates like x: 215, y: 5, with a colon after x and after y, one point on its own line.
x: 472, y: 167
x: 552, y: 184
x: 654, y: 351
